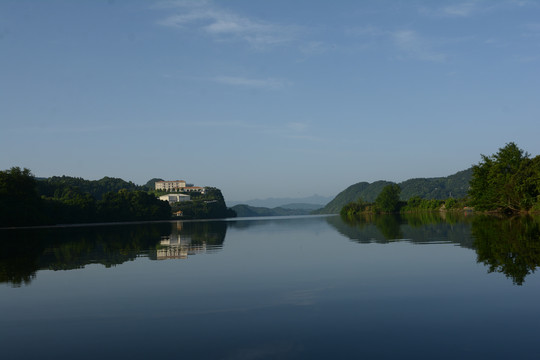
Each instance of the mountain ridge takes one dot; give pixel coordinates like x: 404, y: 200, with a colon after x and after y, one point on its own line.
x: 281, y: 202
x: 455, y: 185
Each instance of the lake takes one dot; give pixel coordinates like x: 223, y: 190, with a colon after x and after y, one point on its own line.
x: 315, y: 287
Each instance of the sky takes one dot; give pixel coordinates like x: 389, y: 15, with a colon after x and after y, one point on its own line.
x: 265, y: 99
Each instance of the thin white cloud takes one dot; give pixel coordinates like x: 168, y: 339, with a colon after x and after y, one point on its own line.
x: 291, y: 130
x: 297, y: 126
x: 269, y: 83
x: 409, y: 44
x: 368, y: 30
x: 471, y: 8
x: 315, y: 48
x: 414, y: 46
x: 461, y: 10
x: 531, y: 30
x: 223, y: 25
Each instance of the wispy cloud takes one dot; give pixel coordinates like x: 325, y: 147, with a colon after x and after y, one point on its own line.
x: 297, y: 126
x: 474, y: 7
x: 415, y: 46
x: 223, y: 25
x: 409, y: 44
x: 461, y: 10
x: 531, y: 30
x: 291, y: 130
x: 315, y: 47
x: 368, y: 30
x: 269, y: 83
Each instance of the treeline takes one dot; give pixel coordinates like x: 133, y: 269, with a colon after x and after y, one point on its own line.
x: 505, y: 182
x: 25, y: 201
x: 53, y: 187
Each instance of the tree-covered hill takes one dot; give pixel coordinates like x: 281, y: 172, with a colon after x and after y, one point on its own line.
x: 151, y: 184
x: 366, y: 191
x: 439, y: 188
x: 27, y: 201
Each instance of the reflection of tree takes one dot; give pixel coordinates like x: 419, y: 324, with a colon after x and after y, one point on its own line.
x: 24, y: 252
x: 422, y: 218
x: 510, y: 246
x: 416, y: 228
x: 387, y: 224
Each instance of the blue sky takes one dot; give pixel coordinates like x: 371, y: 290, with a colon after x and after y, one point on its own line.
x: 266, y: 98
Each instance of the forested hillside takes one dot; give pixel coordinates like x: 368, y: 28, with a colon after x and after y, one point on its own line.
x: 27, y: 201
x: 366, y: 191
x: 439, y: 188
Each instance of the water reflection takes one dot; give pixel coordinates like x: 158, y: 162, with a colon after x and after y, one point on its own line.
x: 190, y: 238
x: 415, y: 228
x: 506, y: 245
x: 24, y: 252
x: 509, y: 246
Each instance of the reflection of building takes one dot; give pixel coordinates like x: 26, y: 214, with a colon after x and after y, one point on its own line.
x: 177, y: 246
x: 172, y: 198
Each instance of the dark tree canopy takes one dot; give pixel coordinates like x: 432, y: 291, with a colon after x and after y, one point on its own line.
x: 20, y: 203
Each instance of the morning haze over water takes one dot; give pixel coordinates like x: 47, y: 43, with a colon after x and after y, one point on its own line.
x: 297, y: 287
x: 276, y: 100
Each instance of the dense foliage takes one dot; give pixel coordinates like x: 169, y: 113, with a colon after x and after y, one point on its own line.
x: 50, y: 187
x: 508, y: 181
x: 64, y: 200
x: 388, y: 199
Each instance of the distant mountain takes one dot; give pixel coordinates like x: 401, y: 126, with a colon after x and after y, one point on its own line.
x: 243, y: 210
x: 455, y: 185
x: 281, y: 202
x: 302, y: 206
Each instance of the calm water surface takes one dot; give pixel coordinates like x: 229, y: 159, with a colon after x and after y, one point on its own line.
x: 274, y: 288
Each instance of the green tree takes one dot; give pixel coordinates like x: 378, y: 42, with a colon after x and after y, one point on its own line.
x: 507, y: 181
x: 388, y: 199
